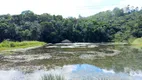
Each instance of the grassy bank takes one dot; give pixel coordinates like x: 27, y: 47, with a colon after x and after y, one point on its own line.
x: 8, y: 45
x: 137, y: 42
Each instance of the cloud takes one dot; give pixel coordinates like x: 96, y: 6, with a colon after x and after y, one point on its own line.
x: 63, y: 7
x: 136, y: 3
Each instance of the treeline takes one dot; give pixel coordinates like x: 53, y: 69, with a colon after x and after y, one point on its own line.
x: 115, y: 25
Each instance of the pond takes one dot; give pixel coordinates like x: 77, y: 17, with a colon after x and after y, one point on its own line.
x: 74, y: 61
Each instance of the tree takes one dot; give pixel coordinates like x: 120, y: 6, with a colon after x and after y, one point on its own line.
x: 118, y: 12
x: 28, y: 16
x: 47, y: 32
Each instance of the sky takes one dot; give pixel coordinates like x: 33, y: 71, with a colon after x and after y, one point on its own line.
x: 66, y: 8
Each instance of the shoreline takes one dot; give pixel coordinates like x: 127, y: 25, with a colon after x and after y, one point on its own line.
x: 21, y: 50
x: 12, y: 46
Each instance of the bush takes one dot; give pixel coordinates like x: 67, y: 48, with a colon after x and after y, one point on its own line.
x: 12, y: 45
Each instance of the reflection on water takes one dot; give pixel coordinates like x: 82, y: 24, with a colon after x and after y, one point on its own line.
x: 112, y: 62
x: 73, y: 72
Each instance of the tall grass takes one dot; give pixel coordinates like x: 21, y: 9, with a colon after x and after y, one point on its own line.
x: 52, y: 77
x: 137, y: 42
x: 59, y: 77
x: 24, y: 44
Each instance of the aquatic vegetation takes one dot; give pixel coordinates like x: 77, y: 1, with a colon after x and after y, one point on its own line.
x: 52, y: 77
x: 44, y: 58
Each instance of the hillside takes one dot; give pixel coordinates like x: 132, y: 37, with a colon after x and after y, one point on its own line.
x: 117, y: 25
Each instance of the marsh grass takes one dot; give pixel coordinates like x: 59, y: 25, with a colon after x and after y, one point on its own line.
x: 52, y: 77
x: 6, y: 45
x: 59, y: 77
x: 137, y: 43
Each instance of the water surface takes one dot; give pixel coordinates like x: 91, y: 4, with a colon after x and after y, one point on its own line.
x: 75, y: 61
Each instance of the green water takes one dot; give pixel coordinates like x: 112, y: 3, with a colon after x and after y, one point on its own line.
x: 119, y: 58
x: 100, y: 55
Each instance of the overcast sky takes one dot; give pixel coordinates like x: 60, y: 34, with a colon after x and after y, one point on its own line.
x: 66, y: 8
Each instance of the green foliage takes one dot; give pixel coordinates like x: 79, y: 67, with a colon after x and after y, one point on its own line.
x: 137, y: 41
x: 131, y: 39
x: 117, y: 25
x: 24, y: 44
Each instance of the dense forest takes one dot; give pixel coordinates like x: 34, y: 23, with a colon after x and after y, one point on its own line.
x: 116, y: 25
